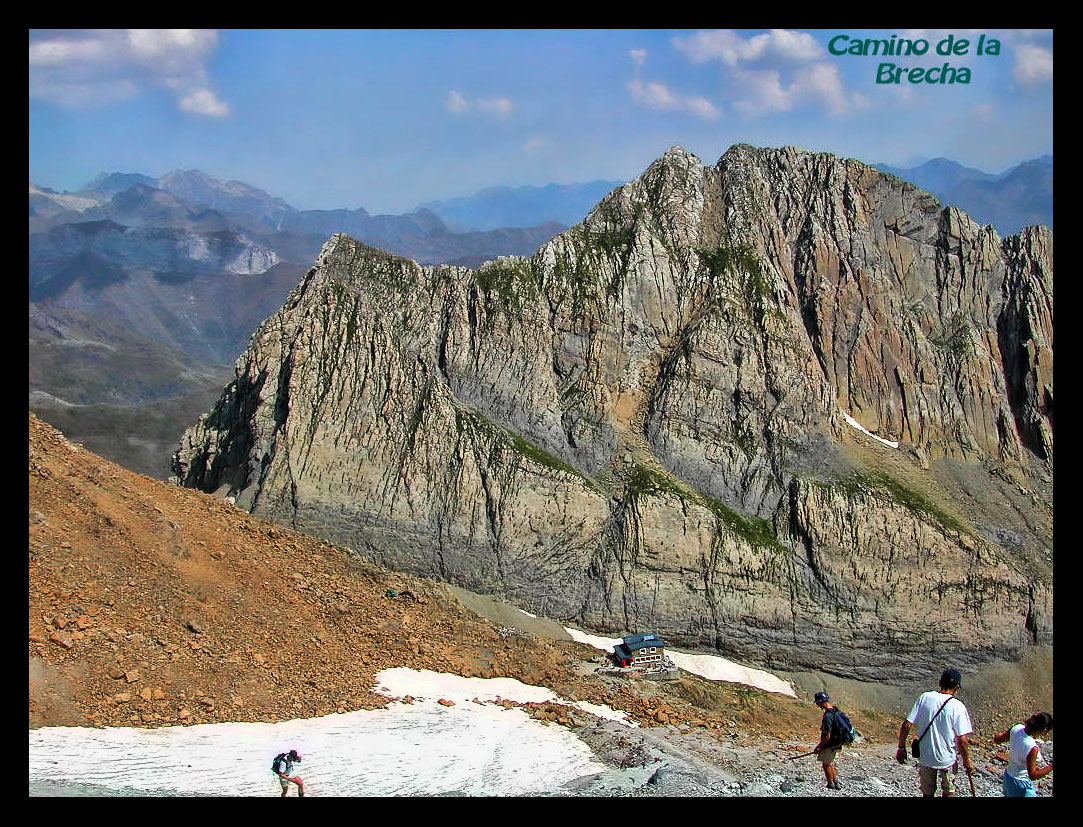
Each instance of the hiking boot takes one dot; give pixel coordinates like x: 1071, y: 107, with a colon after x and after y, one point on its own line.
x: 836, y: 786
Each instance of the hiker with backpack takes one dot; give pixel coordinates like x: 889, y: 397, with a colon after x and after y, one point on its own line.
x: 1024, y: 755
x: 282, y: 766
x: 836, y: 732
x: 944, y: 724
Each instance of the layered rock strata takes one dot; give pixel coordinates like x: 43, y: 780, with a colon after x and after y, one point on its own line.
x: 644, y: 425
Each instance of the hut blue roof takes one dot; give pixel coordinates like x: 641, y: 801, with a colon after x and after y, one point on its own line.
x: 633, y: 643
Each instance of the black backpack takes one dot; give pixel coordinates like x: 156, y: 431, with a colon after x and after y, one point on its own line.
x: 279, y: 759
x: 842, y: 731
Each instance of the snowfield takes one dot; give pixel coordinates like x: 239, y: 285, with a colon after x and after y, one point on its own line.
x: 419, y: 748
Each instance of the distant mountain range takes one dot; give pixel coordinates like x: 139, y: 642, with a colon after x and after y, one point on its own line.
x: 143, y: 291
x: 521, y: 206
x: 1013, y: 199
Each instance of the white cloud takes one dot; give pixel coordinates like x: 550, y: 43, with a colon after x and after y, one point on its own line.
x: 730, y: 48
x: 458, y: 104
x: 702, y: 108
x: 656, y: 95
x: 777, y: 71
x: 821, y: 82
x: 203, y: 102
x: 81, y: 95
x: 59, y: 52
x: 1033, y: 65
x: 500, y: 107
x: 700, y: 47
x: 99, y: 66
x: 762, y: 91
x: 934, y: 36
x: 652, y: 95
x: 639, y: 56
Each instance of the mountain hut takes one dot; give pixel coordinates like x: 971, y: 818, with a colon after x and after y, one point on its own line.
x: 640, y: 650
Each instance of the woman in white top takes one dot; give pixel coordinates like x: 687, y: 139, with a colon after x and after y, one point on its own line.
x: 1024, y: 756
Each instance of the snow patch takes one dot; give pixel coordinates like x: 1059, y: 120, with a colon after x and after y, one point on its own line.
x: 424, y: 684
x: 854, y: 423
x: 711, y: 667
x: 715, y: 668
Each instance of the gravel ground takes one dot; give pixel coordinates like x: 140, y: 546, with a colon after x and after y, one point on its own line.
x: 662, y: 761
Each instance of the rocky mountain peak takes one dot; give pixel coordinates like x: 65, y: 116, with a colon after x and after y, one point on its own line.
x: 733, y: 405
x: 199, y: 189
x: 678, y: 154
x: 109, y: 184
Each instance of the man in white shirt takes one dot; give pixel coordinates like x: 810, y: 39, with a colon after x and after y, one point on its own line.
x: 941, y: 723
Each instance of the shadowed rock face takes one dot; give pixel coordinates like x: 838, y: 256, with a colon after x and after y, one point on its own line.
x: 643, y: 425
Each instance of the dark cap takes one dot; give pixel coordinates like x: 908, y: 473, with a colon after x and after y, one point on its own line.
x: 950, y: 679
x: 821, y: 697
x: 294, y: 755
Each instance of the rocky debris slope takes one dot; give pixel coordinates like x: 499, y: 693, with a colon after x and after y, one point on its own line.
x: 683, y: 764
x: 644, y: 425
x: 151, y: 605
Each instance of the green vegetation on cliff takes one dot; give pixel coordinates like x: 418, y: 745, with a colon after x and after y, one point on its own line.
x: 897, y: 492
x: 512, y: 281
x: 957, y: 338
x: 753, y: 530
x: 736, y: 261
x: 469, y: 421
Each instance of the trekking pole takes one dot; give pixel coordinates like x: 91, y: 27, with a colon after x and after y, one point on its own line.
x: 803, y: 755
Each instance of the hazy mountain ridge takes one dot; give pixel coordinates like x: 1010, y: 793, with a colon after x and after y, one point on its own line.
x: 527, y: 206
x: 108, y: 184
x: 1021, y: 196
x: 193, y: 265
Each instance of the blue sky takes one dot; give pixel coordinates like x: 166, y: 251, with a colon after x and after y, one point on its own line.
x: 388, y: 119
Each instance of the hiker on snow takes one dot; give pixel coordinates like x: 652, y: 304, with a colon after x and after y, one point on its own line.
x: 944, y: 723
x: 835, y: 733
x: 282, y: 766
x: 1023, y: 759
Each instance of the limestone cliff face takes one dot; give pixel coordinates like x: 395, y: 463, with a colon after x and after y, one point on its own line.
x: 644, y: 425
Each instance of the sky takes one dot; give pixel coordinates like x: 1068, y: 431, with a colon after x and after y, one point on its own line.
x: 390, y: 119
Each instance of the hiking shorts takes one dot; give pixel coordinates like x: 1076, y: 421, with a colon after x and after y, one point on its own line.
x: 1015, y: 788
x: 928, y: 776
x: 285, y: 782
x: 827, y: 755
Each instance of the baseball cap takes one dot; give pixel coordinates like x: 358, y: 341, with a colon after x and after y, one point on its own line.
x: 294, y: 755
x: 821, y: 697
x: 951, y: 678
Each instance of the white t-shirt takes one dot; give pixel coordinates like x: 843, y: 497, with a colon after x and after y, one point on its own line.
x: 1021, y: 744
x: 938, y: 745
